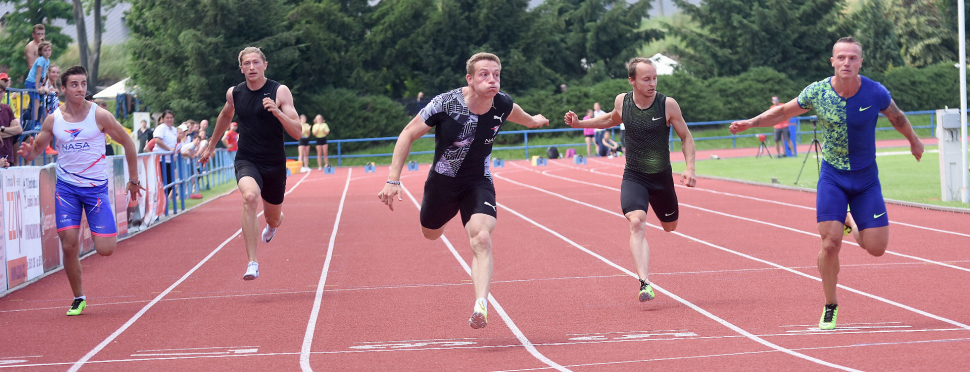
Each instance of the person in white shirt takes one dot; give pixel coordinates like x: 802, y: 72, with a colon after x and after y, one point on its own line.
x: 166, y: 139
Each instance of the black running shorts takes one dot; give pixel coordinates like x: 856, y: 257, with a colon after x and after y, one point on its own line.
x: 303, y: 141
x: 271, y: 179
x: 657, y: 189
x: 446, y: 196
x: 321, y: 141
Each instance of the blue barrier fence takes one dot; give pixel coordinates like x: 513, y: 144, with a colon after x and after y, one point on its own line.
x: 673, y: 137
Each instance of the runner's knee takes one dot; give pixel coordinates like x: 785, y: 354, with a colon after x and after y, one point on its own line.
x: 669, y: 226
x: 432, y: 234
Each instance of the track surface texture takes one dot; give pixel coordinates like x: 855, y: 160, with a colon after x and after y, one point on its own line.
x: 737, y: 287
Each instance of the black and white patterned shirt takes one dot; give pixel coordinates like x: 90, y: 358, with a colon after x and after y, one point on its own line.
x: 463, y: 140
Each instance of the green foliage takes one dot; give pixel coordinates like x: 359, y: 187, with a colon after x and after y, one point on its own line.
x: 351, y: 115
x: 877, y: 34
x: 928, y: 88
x: 113, y: 67
x: 786, y: 35
x: 19, y: 26
x: 924, y: 32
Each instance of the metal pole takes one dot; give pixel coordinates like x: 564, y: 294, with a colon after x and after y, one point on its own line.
x: 965, y: 189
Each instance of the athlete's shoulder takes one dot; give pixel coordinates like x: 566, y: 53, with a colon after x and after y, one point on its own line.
x: 503, y: 102
x: 440, y: 102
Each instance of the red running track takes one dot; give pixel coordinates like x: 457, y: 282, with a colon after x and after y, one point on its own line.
x: 736, y: 284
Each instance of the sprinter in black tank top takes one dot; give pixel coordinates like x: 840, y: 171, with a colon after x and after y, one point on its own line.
x: 265, y: 110
x: 647, y: 178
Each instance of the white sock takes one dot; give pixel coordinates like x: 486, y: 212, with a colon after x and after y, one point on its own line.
x: 82, y: 298
x: 481, y: 302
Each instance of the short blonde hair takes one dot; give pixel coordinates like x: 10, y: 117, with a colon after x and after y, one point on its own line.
x: 470, y: 65
x: 44, y: 44
x: 249, y: 50
x: 631, y: 66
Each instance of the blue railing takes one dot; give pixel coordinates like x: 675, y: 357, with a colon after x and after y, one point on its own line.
x: 25, y: 111
x: 673, y: 138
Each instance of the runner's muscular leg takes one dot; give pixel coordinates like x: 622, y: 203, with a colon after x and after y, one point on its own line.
x: 273, y: 214
x: 250, y: 226
x: 72, y: 263
x: 432, y: 234
x: 479, y: 229
x: 828, y: 258
x: 638, y: 241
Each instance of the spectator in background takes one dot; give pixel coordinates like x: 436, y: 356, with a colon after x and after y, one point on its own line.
x: 31, y: 51
x: 781, y: 130
x: 37, y: 77
x: 53, y: 89
x: 109, y: 150
x: 9, y: 127
x: 608, y: 147
x: 303, y: 153
x: 144, y: 134
x: 598, y: 133
x: 204, y: 129
x: 320, y: 130
x: 191, y: 129
x: 589, y: 133
x: 166, y: 140
x: 231, y: 140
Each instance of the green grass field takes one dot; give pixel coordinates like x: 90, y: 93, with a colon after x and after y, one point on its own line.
x: 901, y: 176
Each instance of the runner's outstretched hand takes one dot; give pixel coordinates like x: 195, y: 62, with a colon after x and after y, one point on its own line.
x: 387, y: 194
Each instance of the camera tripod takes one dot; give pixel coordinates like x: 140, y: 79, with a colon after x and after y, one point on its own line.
x: 816, y: 145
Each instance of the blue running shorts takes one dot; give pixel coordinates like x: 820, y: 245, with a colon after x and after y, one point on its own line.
x: 95, y: 202
x: 859, y: 190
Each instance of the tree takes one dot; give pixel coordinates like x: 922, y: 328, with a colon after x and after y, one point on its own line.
x: 923, y: 32
x: 877, y: 34
x: 19, y: 26
x: 90, y: 55
x: 790, y: 36
x: 184, y: 53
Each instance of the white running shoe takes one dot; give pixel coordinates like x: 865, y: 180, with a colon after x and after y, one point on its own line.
x: 252, y: 271
x: 479, y: 317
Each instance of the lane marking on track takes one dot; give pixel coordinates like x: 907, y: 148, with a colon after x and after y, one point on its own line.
x: 696, y: 308
x: 491, y: 299
x: 318, y: 297
x: 441, y: 343
x: 545, y: 173
x: 715, y: 246
x: 198, y: 351
x: 771, y: 201
x: 77, y: 365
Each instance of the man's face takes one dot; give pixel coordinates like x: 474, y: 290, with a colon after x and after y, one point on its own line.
x: 252, y: 66
x: 39, y: 34
x: 168, y: 119
x: 144, y: 124
x: 774, y: 100
x: 486, y: 79
x: 233, y: 126
x: 645, y: 80
x: 846, y: 59
x: 76, y: 88
x: 596, y: 106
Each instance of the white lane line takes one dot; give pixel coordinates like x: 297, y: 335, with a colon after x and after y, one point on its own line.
x: 872, y: 296
x: 772, y: 201
x: 546, y: 173
x: 678, y: 298
x: 498, y: 308
x: 77, y: 365
x: 318, y: 298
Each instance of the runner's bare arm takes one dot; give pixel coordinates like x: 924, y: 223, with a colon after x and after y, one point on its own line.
x: 611, y: 119
x: 902, y: 125
x: 675, y: 119
x: 284, y: 111
x: 113, y: 128
x: 519, y: 116
x: 770, y: 117
x: 222, y: 123
x: 414, y: 130
x: 37, y: 144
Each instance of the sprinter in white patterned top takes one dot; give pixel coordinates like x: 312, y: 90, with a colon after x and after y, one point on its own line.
x: 78, y: 128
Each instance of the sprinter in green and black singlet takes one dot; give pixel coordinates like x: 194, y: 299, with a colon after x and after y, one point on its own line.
x: 647, y: 178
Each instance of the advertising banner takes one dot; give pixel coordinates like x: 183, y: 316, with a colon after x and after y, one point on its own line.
x: 50, y: 243
x: 3, y: 249
x: 30, y: 243
x: 12, y: 213
x: 119, y: 178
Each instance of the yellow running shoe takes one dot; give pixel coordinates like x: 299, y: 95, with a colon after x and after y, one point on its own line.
x: 646, y: 291
x: 76, y: 307
x: 479, y: 318
x: 828, y: 316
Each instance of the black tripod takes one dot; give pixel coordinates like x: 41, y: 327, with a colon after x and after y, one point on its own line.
x: 816, y: 145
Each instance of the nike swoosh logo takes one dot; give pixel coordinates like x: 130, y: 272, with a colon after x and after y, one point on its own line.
x: 490, y: 205
x: 669, y: 214
x: 655, y: 119
x: 864, y: 108
x: 878, y: 215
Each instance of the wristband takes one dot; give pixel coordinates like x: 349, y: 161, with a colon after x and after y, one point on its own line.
x: 394, y: 182
x: 136, y: 183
